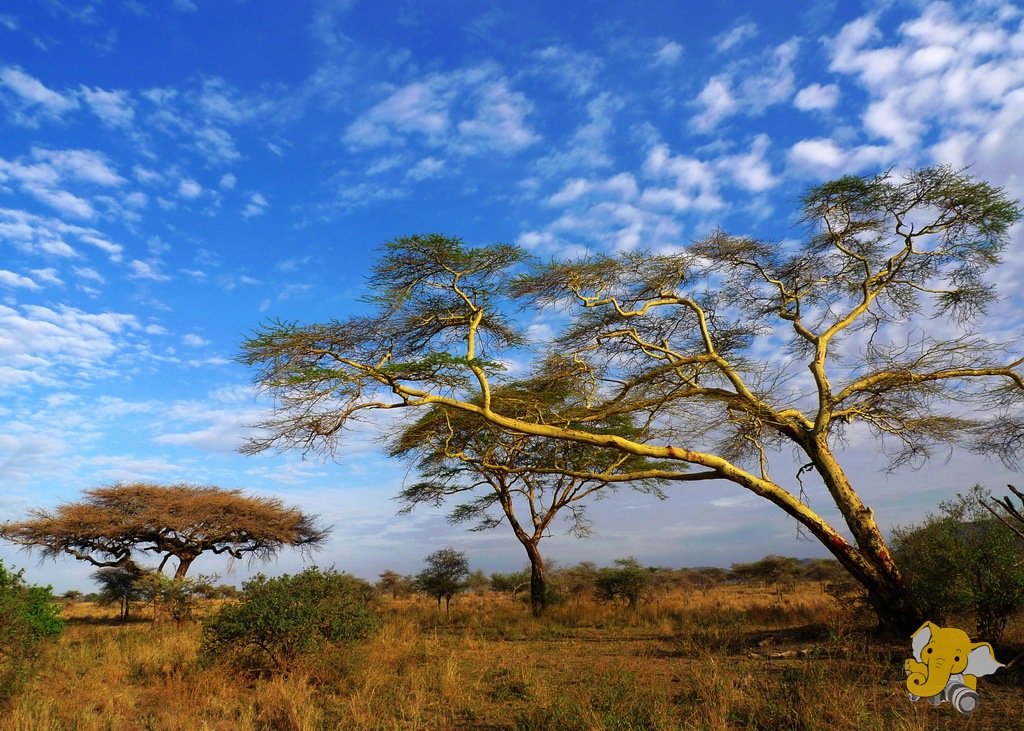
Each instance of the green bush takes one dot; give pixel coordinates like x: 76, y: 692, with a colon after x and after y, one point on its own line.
x: 628, y: 581
x: 278, y: 620
x: 27, y: 617
x: 964, y: 561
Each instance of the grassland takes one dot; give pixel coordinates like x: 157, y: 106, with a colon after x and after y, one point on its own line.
x: 685, y: 662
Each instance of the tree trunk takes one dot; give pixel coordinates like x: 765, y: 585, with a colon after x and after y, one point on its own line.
x: 869, y: 560
x: 184, y: 563
x: 538, y: 584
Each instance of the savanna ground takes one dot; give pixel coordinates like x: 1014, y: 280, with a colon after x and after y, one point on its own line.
x: 685, y: 662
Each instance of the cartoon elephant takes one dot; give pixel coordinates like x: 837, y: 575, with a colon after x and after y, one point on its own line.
x: 946, y: 666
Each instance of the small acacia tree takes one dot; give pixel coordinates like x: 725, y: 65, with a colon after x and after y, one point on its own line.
x: 444, y: 576
x: 120, y: 584
x: 112, y: 526
x: 689, y: 342
x: 777, y: 571
x: 393, y: 583
x: 515, y: 478
x: 627, y: 580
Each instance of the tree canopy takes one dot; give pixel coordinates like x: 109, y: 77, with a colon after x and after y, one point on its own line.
x: 444, y: 575
x: 514, y: 478
x: 115, y: 525
x: 726, y: 350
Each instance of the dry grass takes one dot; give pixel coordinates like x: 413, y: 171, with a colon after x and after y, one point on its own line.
x: 681, y: 663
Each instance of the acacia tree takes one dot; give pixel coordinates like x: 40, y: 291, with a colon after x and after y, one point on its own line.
x: 121, y: 584
x: 732, y: 347
x: 444, y: 576
x: 113, y: 525
x: 516, y: 478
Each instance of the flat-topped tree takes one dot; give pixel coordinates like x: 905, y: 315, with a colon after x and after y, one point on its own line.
x: 738, y: 350
x: 113, y: 525
x: 510, y: 477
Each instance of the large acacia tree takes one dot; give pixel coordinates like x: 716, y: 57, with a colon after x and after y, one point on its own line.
x: 733, y: 347
x: 515, y: 478
x: 113, y: 526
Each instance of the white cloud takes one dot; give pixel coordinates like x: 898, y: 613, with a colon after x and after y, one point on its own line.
x: 471, y: 112
x: 816, y: 96
x: 499, y: 122
x: 419, y: 108
x: 749, y: 86
x: 38, y: 344
x: 588, y: 147
x: 256, y: 206
x: 717, y: 100
x: 735, y: 36
x: 84, y: 165
x: 48, y: 275
x: 33, y: 95
x: 669, y: 54
x: 825, y: 158
x: 194, y: 341
x: 227, y: 181
x: 16, y: 281
x: 943, y: 89
x: 751, y: 170
x: 149, y: 269
x: 48, y: 236
x: 428, y: 167
x: 695, y: 182
x: 569, y: 69
x: 48, y: 174
x: 189, y: 189
x: 114, y: 108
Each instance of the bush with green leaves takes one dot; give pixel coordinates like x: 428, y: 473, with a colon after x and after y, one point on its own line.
x: 27, y: 616
x: 279, y: 620
x: 964, y: 561
x: 628, y: 581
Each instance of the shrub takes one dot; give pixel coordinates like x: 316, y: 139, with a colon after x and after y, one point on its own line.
x: 628, y: 581
x: 278, y: 620
x: 27, y: 616
x: 964, y: 560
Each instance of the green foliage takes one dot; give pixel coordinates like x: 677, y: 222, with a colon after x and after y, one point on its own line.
x: 120, y: 584
x: 178, y: 598
x: 628, y: 581
x: 279, y: 620
x: 964, y: 561
x: 27, y: 617
x: 510, y: 583
x: 778, y: 571
x: 668, y: 340
x: 444, y: 576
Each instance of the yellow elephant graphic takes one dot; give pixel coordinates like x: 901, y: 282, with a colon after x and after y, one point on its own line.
x: 946, y: 666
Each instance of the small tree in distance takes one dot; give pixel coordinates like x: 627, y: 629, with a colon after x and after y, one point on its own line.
x: 628, y: 580
x: 393, y: 583
x: 111, y: 526
x: 776, y: 571
x: 120, y: 585
x: 444, y: 576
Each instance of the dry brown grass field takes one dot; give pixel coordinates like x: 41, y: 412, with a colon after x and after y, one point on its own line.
x: 685, y: 662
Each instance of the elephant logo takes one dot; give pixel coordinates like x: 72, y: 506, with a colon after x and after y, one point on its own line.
x: 946, y: 666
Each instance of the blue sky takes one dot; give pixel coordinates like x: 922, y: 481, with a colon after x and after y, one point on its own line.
x: 174, y: 172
